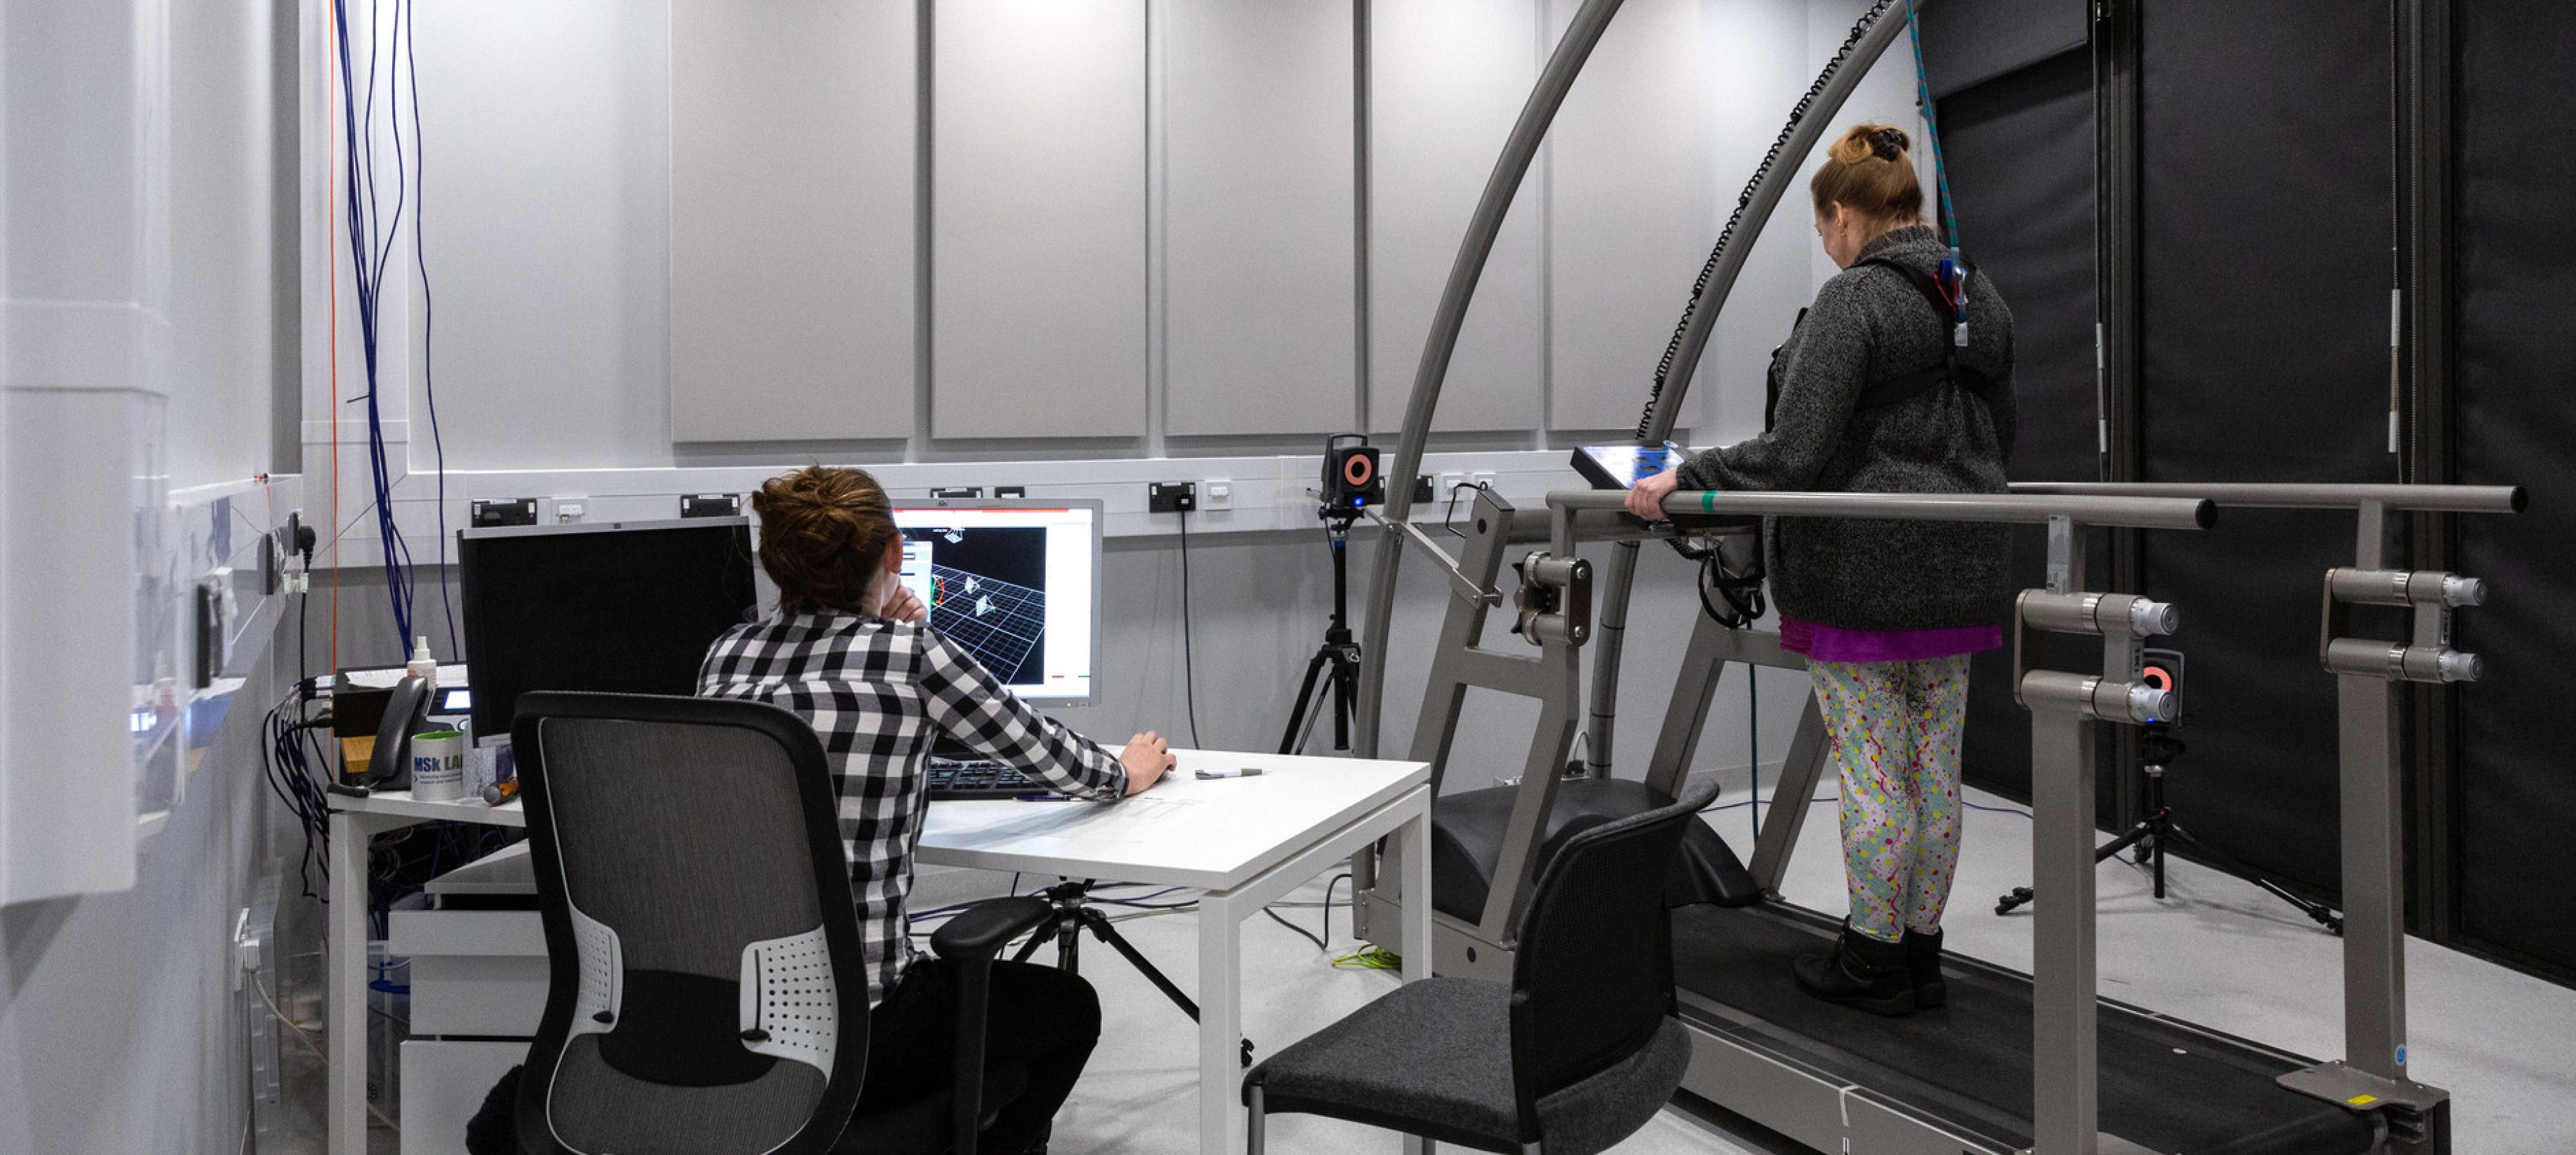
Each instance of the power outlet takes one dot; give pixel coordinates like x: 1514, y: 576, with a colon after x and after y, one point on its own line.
x: 1171, y: 496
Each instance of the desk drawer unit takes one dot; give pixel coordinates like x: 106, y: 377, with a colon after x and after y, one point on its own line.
x: 473, y: 972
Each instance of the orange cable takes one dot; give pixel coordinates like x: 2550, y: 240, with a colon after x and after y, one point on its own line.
x: 331, y: 195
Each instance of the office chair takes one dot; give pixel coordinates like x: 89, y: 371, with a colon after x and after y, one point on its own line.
x: 1576, y: 1054
x: 708, y: 993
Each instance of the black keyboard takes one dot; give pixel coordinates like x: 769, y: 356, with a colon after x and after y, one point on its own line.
x: 974, y: 778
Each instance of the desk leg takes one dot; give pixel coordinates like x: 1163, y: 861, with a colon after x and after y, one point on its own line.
x: 1220, y: 1024
x: 1417, y: 921
x: 345, y: 1122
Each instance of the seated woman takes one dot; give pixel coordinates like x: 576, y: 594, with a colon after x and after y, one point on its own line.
x: 847, y: 651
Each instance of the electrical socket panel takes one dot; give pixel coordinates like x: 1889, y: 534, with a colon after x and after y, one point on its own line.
x: 1216, y: 493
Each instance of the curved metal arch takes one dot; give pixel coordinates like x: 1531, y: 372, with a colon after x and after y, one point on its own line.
x: 1519, y: 150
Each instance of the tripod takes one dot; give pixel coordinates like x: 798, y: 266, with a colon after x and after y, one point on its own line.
x: 1074, y: 914
x: 2153, y: 833
x: 1338, y: 658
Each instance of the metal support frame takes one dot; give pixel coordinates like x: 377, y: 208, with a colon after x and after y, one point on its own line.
x: 2064, y: 708
x: 2368, y: 674
x: 1552, y: 677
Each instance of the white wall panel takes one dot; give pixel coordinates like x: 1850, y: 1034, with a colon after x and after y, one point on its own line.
x: 548, y: 232
x: 1627, y: 212
x: 1447, y: 78
x: 1261, y: 324
x: 792, y: 226
x: 1038, y: 219
x: 1755, y: 63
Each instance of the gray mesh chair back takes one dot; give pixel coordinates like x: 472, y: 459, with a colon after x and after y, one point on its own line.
x: 1592, y: 978
x: 708, y: 993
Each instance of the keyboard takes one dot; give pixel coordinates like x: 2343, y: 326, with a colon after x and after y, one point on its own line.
x: 974, y: 778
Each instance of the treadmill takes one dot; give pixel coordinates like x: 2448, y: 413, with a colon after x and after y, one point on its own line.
x: 2013, y: 1064
x: 2108, y: 1077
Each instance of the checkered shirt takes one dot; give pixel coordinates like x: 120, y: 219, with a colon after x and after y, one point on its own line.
x: 876, y: 691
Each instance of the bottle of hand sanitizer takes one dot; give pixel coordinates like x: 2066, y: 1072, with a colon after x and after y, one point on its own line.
x: 423, y: 666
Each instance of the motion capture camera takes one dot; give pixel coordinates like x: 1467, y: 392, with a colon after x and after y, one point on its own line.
x: 1351, y: 479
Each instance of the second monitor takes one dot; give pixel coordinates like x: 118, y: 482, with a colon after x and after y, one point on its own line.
x: 1015, y: 583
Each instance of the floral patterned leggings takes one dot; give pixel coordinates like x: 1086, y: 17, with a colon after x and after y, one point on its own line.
x: 1895, y: 732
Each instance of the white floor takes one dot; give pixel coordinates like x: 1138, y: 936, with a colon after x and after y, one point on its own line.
x: 2217, y: 951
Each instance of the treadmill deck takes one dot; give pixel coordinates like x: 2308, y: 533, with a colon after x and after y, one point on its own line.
x: 2165, y: 1084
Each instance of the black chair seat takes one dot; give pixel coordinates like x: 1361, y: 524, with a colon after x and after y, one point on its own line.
x: 1467, y: 844
x: 1434, y: 1058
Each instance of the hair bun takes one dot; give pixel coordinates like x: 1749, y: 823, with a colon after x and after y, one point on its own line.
x: 1888, y: 144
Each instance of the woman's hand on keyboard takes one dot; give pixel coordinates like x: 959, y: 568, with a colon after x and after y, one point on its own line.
x: 1147, y: 757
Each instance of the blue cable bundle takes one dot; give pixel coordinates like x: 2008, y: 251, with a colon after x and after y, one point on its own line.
x: 371, y: 242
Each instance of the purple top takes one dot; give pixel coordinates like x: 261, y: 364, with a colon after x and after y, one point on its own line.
x: 1835, y: 644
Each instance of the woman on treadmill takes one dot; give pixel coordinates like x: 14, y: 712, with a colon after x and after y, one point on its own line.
x: 1875, y: 392
x: 848, y: 651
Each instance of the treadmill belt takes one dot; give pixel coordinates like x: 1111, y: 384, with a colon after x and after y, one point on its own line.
x: 2164, y: 1085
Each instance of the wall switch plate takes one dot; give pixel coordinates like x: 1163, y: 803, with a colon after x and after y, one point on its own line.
x: 571, y: 510
x: 1171, y: 496
x: 1482, y: 479
x: 1216, y: 493
x: 1010, y: 492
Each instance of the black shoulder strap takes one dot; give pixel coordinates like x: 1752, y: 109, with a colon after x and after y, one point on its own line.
x: 1907, y: 386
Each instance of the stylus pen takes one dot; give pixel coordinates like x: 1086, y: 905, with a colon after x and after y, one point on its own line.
x: 1041, y: 798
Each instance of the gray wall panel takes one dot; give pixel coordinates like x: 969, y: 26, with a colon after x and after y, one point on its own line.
x: 1627, y: 213
x: 549, y: 172
x: 1038, y: 219
x: 1259, y: 238
x: 792, y: 140
x: 1447, y: 78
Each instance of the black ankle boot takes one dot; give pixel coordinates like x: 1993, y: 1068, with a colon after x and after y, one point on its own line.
x: 1860, y: 971
x: 1923, y: 968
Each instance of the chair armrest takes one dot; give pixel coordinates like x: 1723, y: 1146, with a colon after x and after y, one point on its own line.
x: 970, y: 940
x: 980, y: 931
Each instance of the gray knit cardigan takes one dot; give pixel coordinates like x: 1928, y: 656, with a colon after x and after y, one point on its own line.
x: 1869, y: 325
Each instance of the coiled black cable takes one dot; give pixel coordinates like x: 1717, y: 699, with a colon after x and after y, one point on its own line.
x: 1743, y: 202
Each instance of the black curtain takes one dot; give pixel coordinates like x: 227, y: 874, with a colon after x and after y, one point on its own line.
x: 2514, y: 291
x: 2015, y: 91
x: 2265, y: 160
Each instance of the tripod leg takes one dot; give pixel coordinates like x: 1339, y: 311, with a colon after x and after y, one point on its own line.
x: 1039, y: 939
x: 1100, y: 926
x: 1288, y: 741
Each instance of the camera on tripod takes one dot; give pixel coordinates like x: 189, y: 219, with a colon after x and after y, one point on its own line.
x: 1351, y: 480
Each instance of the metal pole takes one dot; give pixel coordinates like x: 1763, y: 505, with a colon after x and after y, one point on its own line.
x: 2065, y: 1018
x: 1518, y: 151
x: 2010, y: 508
x: 2269, y: 495
x: 2374, y: 938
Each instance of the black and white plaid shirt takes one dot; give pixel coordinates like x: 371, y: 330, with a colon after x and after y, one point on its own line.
x: 878, y: 692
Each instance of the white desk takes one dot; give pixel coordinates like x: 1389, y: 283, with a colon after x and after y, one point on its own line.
x: 1247, y: 842
x: 354, y: 823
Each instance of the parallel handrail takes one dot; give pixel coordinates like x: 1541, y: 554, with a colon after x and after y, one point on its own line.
x: 2133, y: 512
x: 2302, y: 495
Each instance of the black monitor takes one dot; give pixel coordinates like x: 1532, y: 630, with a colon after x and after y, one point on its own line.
x: 613, y: 607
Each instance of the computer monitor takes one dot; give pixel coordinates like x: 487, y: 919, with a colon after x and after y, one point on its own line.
x: 614, y: 607
x: 1016, y: 583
